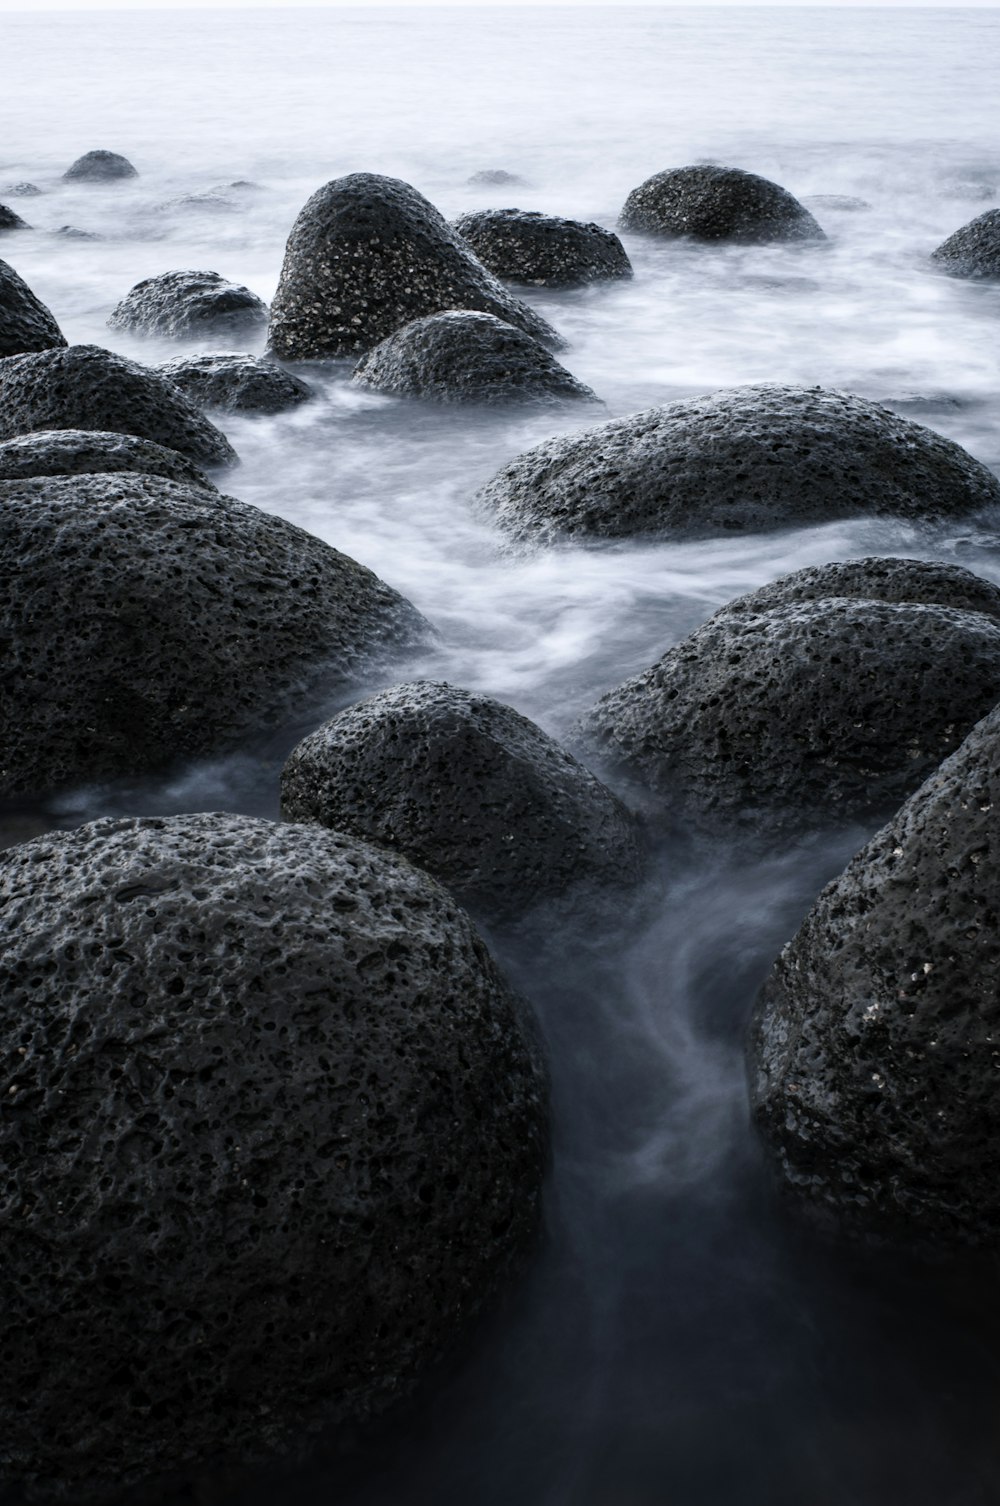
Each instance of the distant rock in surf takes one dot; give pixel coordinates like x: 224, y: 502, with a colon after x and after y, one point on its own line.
x: 11, y: 221
x: 21, y: 190
x: 99, y: 167
x: 496, y: 177
x: 843, y: 203
x: 712, y: 203
x: 78, y: 452
x: 189, y: 303
x: 973, y: 251
x: 26, y: 325
x: 521, y: 245
x: 236, y: 383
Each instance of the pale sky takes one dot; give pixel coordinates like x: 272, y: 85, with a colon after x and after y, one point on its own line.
x: 147, y: 5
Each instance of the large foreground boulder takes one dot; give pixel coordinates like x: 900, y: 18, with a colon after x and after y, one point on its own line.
x: 874, y: 1056
x: 273, y: 1134
x: 711, y: 203
x: 470, y: 790
x: 100, y: 167
x: 521, y: 245
x: 368, y: 254
x: 184, y: 304
x: 85, y: 387
x: 973, y: 251
x: 737, y: 461
x: 25, y: 323
x: 144, y: 621
x: 79, y: 452
x: 236, y: 383
x: 812, y: 709
x: 462, y: 357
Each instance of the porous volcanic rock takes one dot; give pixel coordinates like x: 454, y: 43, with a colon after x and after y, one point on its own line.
x: 736, y: 461
x: 874, y: 1053
x: 11, y: 221
x: 462, y: 357
x: 368, y: 254
x: 973, y: 251
x: 100, y: 167
x: 809, y: 710
x: 273, y: 1134
x: 145, y: 621
x: 86, y: 387
x: 26, y: 325
x: 522, y: 245
x: 237, y: 383
x: 189, y: 303
x: 712, y: 203
x: 78, y: 452
x: 878, y: 578
x: 469, y: 789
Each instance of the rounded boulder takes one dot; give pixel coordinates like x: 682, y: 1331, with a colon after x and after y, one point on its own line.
x: 11, y: 221
x: 100, y: 167
x: 522, y: 245
x: 26, y: 325
x: 183, y: 304
x: 711, y: 203
x: 973, y: 251
x: 78, y: 452
x: 236, y: 383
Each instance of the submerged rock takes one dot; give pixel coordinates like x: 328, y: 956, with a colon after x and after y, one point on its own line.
x: 77, y: 452
x: 521, y: 245
x: 189, y: 303
x: 368, y: 254
x: 973, y: 251
x: 26, y: 325
x: 21, y: 190
x: 100, y: 167
x: 273, y: 1136
x: 237, y: 383
x: 11, y: 221
x: 467, y: 358
x: 73, y: 234
x: 496, y: 177
x: 842, y: 202
x: 712, y: 203
x: 145, y: 622
x: 737, y: 461
x: 85, y: 387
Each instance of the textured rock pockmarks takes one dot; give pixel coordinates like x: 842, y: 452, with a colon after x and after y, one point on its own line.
x: 522, y: 245
x: 100, y: 167
x: 236, y: 383
x: 711, y: 203
x: 973, y: 251
x: 78, y: 452
x: 184, y: 304
x: 26, y: 325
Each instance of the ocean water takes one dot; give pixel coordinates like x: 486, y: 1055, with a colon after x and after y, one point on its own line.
x: 677, y: 1341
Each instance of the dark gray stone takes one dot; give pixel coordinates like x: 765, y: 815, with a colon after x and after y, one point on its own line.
x: 496, y: 177
x: 189, y: 303
x: 794, y: 707
x: 467, y: 358
x: 21, y: 190
x: 144, y: 622
x: 79, y: 452
x: 273, y: 1135
x: 100, y: 167
x: 239, y: 384
x: 737, y: 461
x: 26, y: 325
x: 11, y: 221
x: 85, y: 387
x: 713, y: 203
x: 874, y: 1055
x: 973, y: 251
x: 521, y: 245
x: 368, y: 254
x: 468, y: 789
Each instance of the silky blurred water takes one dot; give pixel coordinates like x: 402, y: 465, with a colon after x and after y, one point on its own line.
x: 676, y: 1341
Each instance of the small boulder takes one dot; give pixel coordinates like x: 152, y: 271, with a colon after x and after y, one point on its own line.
x: 72, y: 233
x: 711, y: 203
x: 189, y: 303
x: 463, y: 357
x: 468, y: 789
x: 99, y: 167
x: 80, y: 452
x: 85, y: 387
x: 11, y: 221
x: 973, y: 251
x: 521, y: 245
x: 235, y: 383
x: 736, y: 461
x: 368, y: 254
x: 843, y: 203
x: 496, y: 177
x: 882, y: 578
x: 21, y: 190
x: 26, y: 325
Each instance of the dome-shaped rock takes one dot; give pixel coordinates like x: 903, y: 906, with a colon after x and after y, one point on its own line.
x: 144, y: 621
x: 100, y: 167
x: 469, y: 789
x: 85, y: 387
x: 973, y: 251
x: 879, y: 578
x: 11, y: 221
x: 462, y: 357
x: 522, y: 245
x: 273, y: 1134
x: 79, y: 452
x: 237, y: 383
x: 712, y: 203
x: 189, y: 303
x: 495, y: 177
x: 368, y: 254
x: 21, y: 190
x: 737, y: 461
x: 26, y: 325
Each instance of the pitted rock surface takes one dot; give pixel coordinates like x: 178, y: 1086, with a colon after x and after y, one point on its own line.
x: 874, y: 1053
x: 239, y: 384
x: 711, y: 203
x: 522, y: 245
x: 368, y: 254
x: 11, y: 221
x: 144, y: 622
x: 736, y: 461
x: 469, y: 789
x: 25, y: 323
x: 802, y: 715
x: 273, y: 1134
x: 879, y: 578
x: 78, y: 452
x: 100, y: 167
x: 85, y: 387
x: 189, y: 303
x: 462, y: 357
x: 973, y: 251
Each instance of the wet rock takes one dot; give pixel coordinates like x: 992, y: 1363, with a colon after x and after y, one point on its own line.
x: 21, y: 190
x: 85, y: 387
x: 11, y: 221
x: 100, y: 167
x: 822, y: 699
x: 189, y: 303
x: 368, y: 254
x: 239, y: 384
x: 78, y: 452
x: 496, y: 177
x: 874, y: 1054
x: 145, y: 621
x: 521, y: 245
x: 842, y: 202
x: 273, y: 1135
x: 26, y: 325
x: 467, y: 358
x: 973, y: 251
x: 468, y: 789
x: 736, y: 461
x: 713, y: 203
x: 73, y: 234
